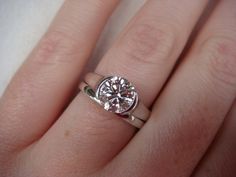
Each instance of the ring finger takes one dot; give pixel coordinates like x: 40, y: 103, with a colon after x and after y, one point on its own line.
x: 148, y: 48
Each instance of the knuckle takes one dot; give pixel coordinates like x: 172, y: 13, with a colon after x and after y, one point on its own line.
x: 220, y: 58
x: 145, y: 42
x: 55, y: 47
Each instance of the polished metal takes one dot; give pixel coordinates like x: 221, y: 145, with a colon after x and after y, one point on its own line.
x: 116, y: 94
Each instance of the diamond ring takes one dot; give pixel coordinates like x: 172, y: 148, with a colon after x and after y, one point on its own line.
x: 116, y: 94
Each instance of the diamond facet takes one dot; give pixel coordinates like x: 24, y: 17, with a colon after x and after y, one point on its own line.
x: 116, y: 94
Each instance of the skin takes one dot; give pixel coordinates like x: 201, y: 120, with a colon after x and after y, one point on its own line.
x: 187, y: 81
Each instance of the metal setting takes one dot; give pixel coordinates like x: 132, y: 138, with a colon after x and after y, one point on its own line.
x: 116, y: 94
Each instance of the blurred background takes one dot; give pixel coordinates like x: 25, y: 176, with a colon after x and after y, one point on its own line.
x: 23, y: 22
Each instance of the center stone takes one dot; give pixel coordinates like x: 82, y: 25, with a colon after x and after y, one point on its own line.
x: 116, y: 94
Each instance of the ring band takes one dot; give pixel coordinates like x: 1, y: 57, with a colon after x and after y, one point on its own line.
x: 116, y: 94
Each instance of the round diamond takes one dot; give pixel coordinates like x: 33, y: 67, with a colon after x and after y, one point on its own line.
x: 116, y: 94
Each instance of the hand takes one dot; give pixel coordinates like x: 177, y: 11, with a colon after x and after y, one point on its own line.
x: 46, y: 131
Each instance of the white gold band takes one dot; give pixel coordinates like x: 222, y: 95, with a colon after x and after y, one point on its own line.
x: 134, y: 111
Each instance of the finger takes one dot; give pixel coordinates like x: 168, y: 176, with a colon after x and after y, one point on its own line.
x: 220, y: 159
x: 148, y: 48
x: 191, y: 108
x: 42, y: 86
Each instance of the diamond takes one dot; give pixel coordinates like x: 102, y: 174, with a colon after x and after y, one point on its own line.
x: 116, y: 94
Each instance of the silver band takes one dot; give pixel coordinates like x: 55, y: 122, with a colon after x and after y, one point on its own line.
x: 134, y: 111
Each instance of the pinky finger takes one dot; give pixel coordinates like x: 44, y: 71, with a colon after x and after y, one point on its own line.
x: 221, y: 157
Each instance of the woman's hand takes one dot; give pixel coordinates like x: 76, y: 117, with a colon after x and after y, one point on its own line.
x: 46, y: 131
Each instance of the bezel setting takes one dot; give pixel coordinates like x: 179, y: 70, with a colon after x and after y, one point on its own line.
x: 116, y: 94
